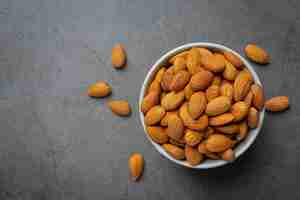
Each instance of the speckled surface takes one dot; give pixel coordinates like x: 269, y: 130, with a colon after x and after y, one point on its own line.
x: 56, y: 143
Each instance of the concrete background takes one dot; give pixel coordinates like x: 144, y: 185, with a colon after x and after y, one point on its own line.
x: 56, y: 143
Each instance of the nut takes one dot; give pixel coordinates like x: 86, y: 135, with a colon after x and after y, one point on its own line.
x: 154, y: 115
x: 218, y: 106
x: 174, y: 151
x: 136, y: 166
x: 118, y: 56
x: 197, y: 104
x: 201, y: 80
x: 277, y: 104
x: 257, y: 54
x: 119, y: 107
x: 99, y: 89
x: 157, y: 134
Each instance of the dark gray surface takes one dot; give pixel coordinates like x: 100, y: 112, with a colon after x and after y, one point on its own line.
x: 56, y: 143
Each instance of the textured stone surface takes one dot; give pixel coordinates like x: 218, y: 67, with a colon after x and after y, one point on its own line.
x: 56, y: 143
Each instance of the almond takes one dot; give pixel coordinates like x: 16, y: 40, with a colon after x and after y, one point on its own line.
x: 150, y: 100
x: 175, y: 129
x: 209, y: 131
x: 214, y: 63
x: 258, y: 96
x: 193, y: 62
x: 201, y: 80
x: 277, y: 104
x: 182, y: 55
x: 226, y: 89
x: 229, y: 129
x: 221, y: 119
x: 136, y: 166
x: 172, y: 100
x: 197, y: 104
x: 174, y: 151
x: 253, y: 117
x: 164, y: 120
x: 218, y: 106
x: 249, y: 98
x: 159, y: 75
x: 180, y: 143
x: 167, y: 78
x: 243, y: 131
x: 228, y: 155
x: 217, y: 81
x: 212, y: 92
x: 204, y: 52
x: 218, y: 143
x: 155, y: 86
x: 118, y: 56
x: 99, y: 89
x: 179, y: 81
x: 257, y: 54
x: 230, y: 71
x: 188, y: 92
x: 119, y: 107
x: 202, y: 147
x: 154, y: 115
x: 192, y: 138
x: 200, y: 124
x: 234, y: 59
x: 180, y: 64
x: 193, y: 156
x: 239, y: 110
x: 157, y: 134
x: 242, y: 85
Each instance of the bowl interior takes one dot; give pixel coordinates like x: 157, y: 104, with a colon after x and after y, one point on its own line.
x: 242, y: 147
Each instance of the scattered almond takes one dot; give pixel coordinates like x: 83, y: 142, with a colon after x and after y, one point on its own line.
x: 99, y: 89
x: 257, y: 54
x: 277, y: 104
x: 119, y: 107
x: 136, y: 166
x: 118, y: 56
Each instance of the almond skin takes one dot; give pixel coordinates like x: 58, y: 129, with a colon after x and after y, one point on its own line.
x: 218, y: 106
x: 99, y: 89
x: 228, y: 155
x: 214, y: 63
x: 257, y: 54
x: 249, y: 98
x: 159, y: 75
x: 193, y: 62
x: 193, y: 156
x: 212, y: 92
x: 175, y: 129
x: 201, y: 80
x: 258, y: 96
x: 155, y: 87
x: 229, y: 129
x: 181, y: 55
x: 154, y: 115
x: 174, y: 151
x: 221, y: 120
x: 218, y: 143
x: 234, y: 60
x: 150, y: 100
x: 118, y: 56
x: 277, y: 104
x: 188, y: 92
x: 164, y: 120
x: 180, y: 64
x: 242, y: 85
x: 172, y: 100
x: 180, y: 80
x: 167, y: 78
x: 197, y: 104
x: 157, y: 134
x: 198, y: 125
x: 119, y: 107
x: 239, y: 110
x: 136, y: 166
x: 202, y: 147
x: 243, y: 131
x: 204, y: 52
x: 226, y: 89
x: 230, y: 71
x: 253, y: 117
x: 192, y: 138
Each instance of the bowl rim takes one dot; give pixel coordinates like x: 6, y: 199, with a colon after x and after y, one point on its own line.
x: 242, y: 147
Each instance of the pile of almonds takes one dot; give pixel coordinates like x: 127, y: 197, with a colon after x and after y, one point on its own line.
x: 202, y: 104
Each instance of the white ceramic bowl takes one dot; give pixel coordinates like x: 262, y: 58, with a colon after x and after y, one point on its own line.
x: 242, y: 147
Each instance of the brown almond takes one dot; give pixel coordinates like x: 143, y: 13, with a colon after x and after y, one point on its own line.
x: 234, y: 59
x: 199, y: 125
x: 204, y: 52
x: 230, y: 71
x: 172, y: 100
x: 99, y: 89
x: 243, y: 131
x: 174, y: 151
x: 192, y: 138
x: 180, y: 80
x: 181, y: 54
x: 118, y: 56
x: 136, y: 166
x: 218, y: 143
x: 257, y: 54
x: 221, y: 120
x: 228, y: 155
x: 218, y: 106
x: 201, y: 80
x: 180, y: 64
x: 229, y: 129
x: 179, y: 143
x: 249, y: 98
x: 239, y: 110
x: 217, y: 81
x: 242, y: 85
x: 167, y: 78
x: 202, y: 147
x: 175, y: 129
x: 154, y: 87
x: 214, y: 63
x: 154, y: 115
x: 188, y: 91
x: 253, y: 117
x: 119, y: 107
x: 197, y: 104
x: 159, y: 75
x: 277, y: 104
x: 193, y: 62
x: 226, y: 89
x: 164, y: 120
x: 212, y: 92
x: 157, y: 134
x: 150, y: 100
x: 258, y: 96
x: 193, y: 156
